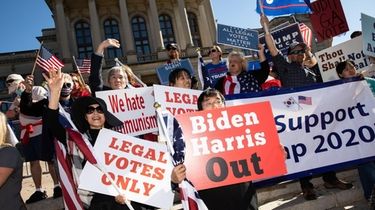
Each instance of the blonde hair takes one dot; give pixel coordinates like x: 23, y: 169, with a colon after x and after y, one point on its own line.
x: 4, y: 132
x: 239, y: 55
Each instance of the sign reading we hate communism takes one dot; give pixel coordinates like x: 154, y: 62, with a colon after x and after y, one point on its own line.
x: 231, y: 145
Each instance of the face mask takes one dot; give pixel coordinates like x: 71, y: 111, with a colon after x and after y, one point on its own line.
x: 19, y: 91
x: 66, y: 90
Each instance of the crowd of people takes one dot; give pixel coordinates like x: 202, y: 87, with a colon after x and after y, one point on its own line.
x: 38, y: 109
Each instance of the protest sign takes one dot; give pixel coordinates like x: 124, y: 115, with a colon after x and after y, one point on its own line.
x: 164, y: 70
x: 135, y: 107
x: 176, y: 100
x: 328, y: 19
x: 330, y: 57
x: 231, y: 145
x: 368, y: 34
x: 284, y: 7
x: 237, y: 37
x: 283, y: 38
x: 141, y: 169
x: 322, y: 127
x: 212, y: 72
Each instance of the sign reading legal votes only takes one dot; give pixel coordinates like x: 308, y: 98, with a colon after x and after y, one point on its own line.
x: 237, y: 37
x: 140, y: 169
x: 134, y: 107
x: 176, y: 100
x: 328, y: 19
x: 231, y: 145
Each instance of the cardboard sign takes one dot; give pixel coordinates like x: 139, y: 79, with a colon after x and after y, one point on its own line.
x: 322, y: 127
x: 164, y: 70
x: 330, y: 57
x: 176, y: 100
x: 283, y: 38
x: 141, y: 169
x: 368, y: 34
x: 135, y: 107
x: 231, y: 145
x: 237, y: 37
x: 328, y: 19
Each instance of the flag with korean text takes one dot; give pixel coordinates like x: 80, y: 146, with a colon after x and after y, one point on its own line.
x: 83, y: 66
x: 283, y: 7
x: 47, y: 60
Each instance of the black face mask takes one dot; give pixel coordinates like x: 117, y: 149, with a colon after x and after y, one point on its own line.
x: 66, y: 89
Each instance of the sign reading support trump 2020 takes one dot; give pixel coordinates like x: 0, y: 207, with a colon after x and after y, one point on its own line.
x: 237, y: 37
x: 322, y: 127
x: 368, y: 34
x: 140, y: 169
x: 231, y: 145
x: 134, y: 107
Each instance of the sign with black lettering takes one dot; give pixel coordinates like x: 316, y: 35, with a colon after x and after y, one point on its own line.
x: 368, y: 34
x: 328, y: 19
x: 237, y: 37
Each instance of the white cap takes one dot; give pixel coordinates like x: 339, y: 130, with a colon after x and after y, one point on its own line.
x: 38, y: 93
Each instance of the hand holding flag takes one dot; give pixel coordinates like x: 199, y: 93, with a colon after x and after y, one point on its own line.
x: 47, y: 60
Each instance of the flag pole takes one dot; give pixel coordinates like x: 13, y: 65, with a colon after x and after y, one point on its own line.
x: 262, y: 13
x: 79, y: 72
x: 36, y: 58
x: 131, y: 73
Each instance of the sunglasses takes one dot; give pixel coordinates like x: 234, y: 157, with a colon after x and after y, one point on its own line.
x: 213, y: 50
x: 297, y: 52
x: 10, y: 81
x: 92, y: 109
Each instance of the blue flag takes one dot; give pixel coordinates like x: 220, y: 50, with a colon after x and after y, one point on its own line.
x: 284, y: 7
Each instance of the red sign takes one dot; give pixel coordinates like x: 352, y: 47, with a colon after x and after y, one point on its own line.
x: 328, y: 19
x: 231, y: 145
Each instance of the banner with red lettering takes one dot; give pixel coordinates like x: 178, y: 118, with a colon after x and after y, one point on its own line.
x: 351, y: 49
x: 141, y: 169
x: 328, y: 19
x: 231, y: 145
x: 135, y: 107
x: 176, y: 100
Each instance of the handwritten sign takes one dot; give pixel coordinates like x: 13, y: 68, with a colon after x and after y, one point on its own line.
x: 141, y: 169
x: 231, y: 145
x: 134, y: 107
x: 328, y: 19
x: 237, y: 37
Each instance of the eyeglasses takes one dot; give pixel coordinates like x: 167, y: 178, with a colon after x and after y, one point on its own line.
x: 92, y: 109
x: 297, y: 52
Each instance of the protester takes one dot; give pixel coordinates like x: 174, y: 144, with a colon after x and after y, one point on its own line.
x: 215, y: 69
x: 79, y: 87
x: 15, y: 88
x: 240, y: 196
x: 173, y: 52
x: 238, y: 79
x: 10, y: 171
x: 89, y: 114
x: 180, y: 77
x: 35, y: 138
x: 295, y: 73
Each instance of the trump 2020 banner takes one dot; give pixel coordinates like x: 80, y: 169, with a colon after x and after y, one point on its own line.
x: 322, y: 127
x: 231, y: 145
x: 176, y: 100
x: 140, y: 169
x: 135, y: 107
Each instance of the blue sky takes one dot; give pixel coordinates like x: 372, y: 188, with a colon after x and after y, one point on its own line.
x: 22, y: 20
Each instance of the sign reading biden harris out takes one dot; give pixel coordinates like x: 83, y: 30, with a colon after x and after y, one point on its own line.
x: 231, y: 145
x: 322, y: 126
x: 140, y: 169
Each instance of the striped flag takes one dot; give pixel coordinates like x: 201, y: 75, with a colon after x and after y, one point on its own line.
x: 83, y: 65
x: 46, y: 60
x: 201, y: 69
x: 306, y: 34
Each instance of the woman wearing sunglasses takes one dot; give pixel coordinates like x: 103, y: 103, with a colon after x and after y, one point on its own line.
x: 215, y: 69
x: 90, y: 115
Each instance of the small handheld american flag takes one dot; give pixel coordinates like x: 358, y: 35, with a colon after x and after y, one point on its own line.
x: 47, y: 60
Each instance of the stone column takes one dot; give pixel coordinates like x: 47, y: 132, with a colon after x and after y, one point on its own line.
x: 62, y: 29
x: 129, y: 41
x: 94, y: 24
x: 156, y: 25
x: 204, y: 27
x: 184, y: 22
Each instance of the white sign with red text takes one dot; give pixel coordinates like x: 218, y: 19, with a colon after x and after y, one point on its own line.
x: 141, y: 169
x: 135, y: 107
x: 176, y: 100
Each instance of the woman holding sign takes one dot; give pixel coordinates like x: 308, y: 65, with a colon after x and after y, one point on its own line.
x: 90, y: 115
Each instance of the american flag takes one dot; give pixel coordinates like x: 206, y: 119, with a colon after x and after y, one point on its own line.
x: 46, y: 60
x: 306, y: 34
x: 83, y: 65
x: 305, y: 100
x: 201, y: 69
